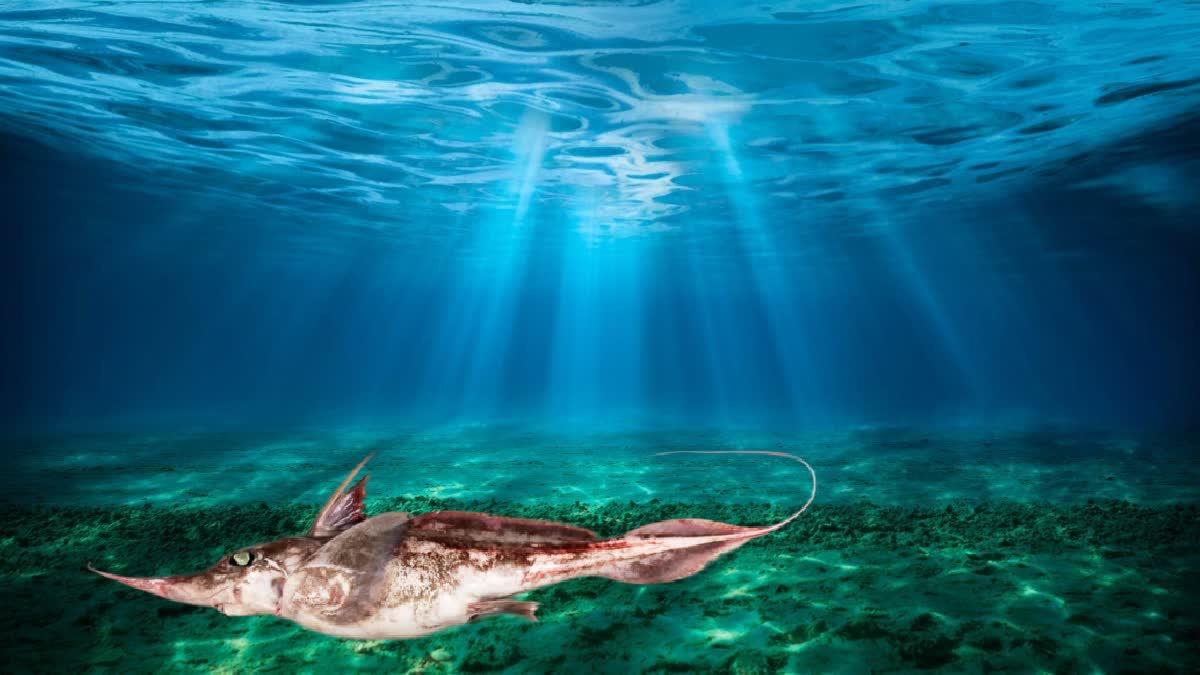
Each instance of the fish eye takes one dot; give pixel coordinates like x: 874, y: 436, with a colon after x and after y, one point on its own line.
x: 241, y: 558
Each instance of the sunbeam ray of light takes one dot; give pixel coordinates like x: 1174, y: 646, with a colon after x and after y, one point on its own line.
x: 789, y: 335
x: 900, y: 255
x: 507, y: 250
x: 711, y: 303
x: 467, y: 369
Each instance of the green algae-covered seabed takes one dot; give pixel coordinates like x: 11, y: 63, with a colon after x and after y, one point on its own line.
x: 1016, y: 552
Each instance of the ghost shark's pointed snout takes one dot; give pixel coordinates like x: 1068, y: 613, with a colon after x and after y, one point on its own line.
x: 189, y: 589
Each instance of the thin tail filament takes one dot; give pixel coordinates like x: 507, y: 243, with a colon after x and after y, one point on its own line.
x: 773, y: 453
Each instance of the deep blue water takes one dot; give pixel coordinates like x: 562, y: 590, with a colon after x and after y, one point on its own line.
x: 603, y: 214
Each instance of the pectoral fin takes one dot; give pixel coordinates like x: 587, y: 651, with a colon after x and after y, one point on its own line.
x: 346, y: 580
x: 485, y: 608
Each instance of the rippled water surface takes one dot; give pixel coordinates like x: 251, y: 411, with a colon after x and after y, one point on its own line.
x: 629, y: 117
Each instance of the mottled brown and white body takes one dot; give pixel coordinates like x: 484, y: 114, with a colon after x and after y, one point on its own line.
x: 400, y: 576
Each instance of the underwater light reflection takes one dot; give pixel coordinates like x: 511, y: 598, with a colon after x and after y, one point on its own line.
x: 529, y: 145
x: 790, y: 338
x: 469, y: 365
x: 712, y: 314
x: 915, y: 279
x: 598, y: 349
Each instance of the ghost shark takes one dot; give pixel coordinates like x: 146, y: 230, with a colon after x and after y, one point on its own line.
x: 395, y: 575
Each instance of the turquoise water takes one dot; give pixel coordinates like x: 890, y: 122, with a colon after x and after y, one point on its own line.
x: 956, y: 552
x: 946, y: 251
x: 893, y: 467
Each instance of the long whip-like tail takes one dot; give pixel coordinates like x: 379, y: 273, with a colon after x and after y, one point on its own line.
x: 773, y: 453
x: 678, y: 548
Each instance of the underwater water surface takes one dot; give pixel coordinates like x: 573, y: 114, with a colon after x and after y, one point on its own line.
x: 948, y: 252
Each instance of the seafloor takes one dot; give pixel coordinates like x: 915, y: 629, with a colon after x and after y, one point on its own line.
x: 1024, y: 552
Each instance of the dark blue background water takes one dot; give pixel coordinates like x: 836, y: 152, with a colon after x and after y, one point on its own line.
x: 1063, y: 304
x: 863, y: 220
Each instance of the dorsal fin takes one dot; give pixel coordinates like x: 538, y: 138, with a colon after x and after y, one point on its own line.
x: 344, y: 509
x: 501, y: 531
x: 358, y: 588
